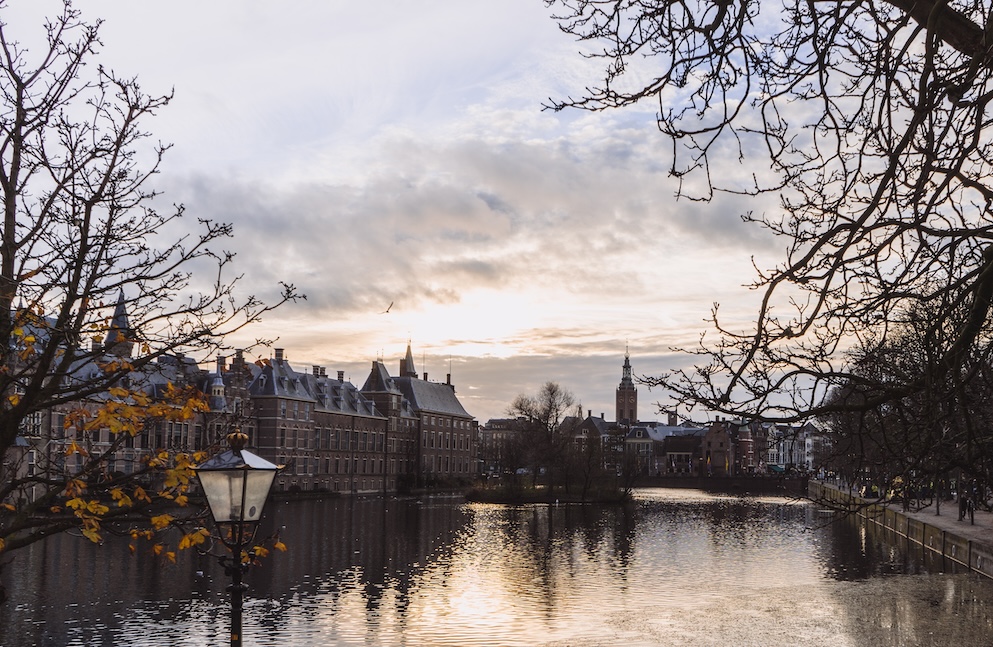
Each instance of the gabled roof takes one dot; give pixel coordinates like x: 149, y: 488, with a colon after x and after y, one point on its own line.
x: 379, y: 380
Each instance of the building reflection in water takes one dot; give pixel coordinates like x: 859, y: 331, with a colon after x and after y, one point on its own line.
x: 673, y: 568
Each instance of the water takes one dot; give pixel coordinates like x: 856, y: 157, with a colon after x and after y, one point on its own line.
x: 677, y: 568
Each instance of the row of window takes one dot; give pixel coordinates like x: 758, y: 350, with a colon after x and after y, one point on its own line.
x: 446, y: 422
x: 436, y: 440
x: 445, y: 466
x: 341, y: 465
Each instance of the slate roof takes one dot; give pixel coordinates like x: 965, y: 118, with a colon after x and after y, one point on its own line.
x: 379, y: 380
x: 433, y: 397
x: 276, y: 378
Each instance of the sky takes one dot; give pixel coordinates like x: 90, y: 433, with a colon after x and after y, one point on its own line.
x: 396, y: 156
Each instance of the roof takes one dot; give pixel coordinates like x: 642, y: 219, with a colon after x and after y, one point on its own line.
x: 277, y: 378
x: 379, y: 380
x: 434, y: 397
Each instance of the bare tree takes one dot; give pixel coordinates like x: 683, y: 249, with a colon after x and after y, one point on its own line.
x: 882, y: 432
x: 872, y: 120
x: 544, y: 441
x: 79, y: 239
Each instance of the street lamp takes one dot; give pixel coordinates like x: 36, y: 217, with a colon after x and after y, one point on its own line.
x: 236, y: 483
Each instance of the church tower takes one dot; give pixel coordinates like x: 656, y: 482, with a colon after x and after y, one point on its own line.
x: 627, y: 396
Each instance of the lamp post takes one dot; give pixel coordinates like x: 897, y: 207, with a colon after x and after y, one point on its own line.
x: 236, y: 483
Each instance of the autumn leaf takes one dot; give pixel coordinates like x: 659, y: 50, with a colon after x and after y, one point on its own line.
x: 92, y: 534
x: 194, y: 538
x: 75, y: 487
x: 97, y: 508
x: 261, y: 551
x: 139, y: 493
x: 280, y: 546
x: 13, y: 399
x: 123, y: 500
x: 74, y: 448
x: 171, y: 556
x: 8, y: 506
x: 161, y: 521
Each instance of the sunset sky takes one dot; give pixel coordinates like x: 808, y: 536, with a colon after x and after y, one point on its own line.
x: 397, y: 152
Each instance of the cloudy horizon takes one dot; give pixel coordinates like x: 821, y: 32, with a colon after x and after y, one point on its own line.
x: 405, y: 158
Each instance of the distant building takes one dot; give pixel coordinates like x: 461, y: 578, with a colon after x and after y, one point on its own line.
x: 329, y: 435
x: 626, y: 396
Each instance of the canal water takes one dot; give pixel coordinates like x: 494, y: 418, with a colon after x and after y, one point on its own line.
x: 676, y: 567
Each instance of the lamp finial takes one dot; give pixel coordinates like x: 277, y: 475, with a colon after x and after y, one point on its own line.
x: 237, y: 439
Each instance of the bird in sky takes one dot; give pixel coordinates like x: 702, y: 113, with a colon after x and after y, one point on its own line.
x: 387, y: 309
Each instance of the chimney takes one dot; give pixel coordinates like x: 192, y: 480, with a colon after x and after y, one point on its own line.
x: 448, y: 379
x: 601, y: 416
x: 279, y: 354
x: 673, y: 421
x: 324, y: 372
x: 589, y: 413
x: 221, y: 365
x: 425, y: 376
x: 341, y: 376
x: 316, y: 370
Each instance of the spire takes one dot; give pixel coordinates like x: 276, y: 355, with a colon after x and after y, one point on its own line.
x: 120, y: 337
x: 626, y: 380
x: 407, y: 364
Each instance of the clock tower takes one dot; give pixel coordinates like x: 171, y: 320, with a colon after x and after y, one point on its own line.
x: 627, y: 396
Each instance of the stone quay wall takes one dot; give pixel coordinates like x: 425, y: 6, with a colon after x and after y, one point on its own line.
x: 937, y: 539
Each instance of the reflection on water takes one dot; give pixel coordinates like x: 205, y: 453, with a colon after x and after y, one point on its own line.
x: 676, y: 567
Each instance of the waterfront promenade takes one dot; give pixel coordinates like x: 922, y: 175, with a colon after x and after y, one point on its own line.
x: 966, y: 543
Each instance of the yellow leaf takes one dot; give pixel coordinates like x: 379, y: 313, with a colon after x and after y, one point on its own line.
x: 2, y: 544
x: 74, y: 448
x: 158, y: 548
x: 193, y: 539
x: 92, y: 535
x: 161, y: 521
x: 7, y: 506
x: 14, y: 399
x: 280, y: 546
x: 139, y: 493
x: 171, y: 556
x: 96, y: 507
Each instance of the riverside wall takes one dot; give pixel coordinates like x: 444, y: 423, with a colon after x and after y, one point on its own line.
x: 942, y: 541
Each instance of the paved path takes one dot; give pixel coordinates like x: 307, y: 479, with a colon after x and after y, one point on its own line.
x: 981, y: 531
